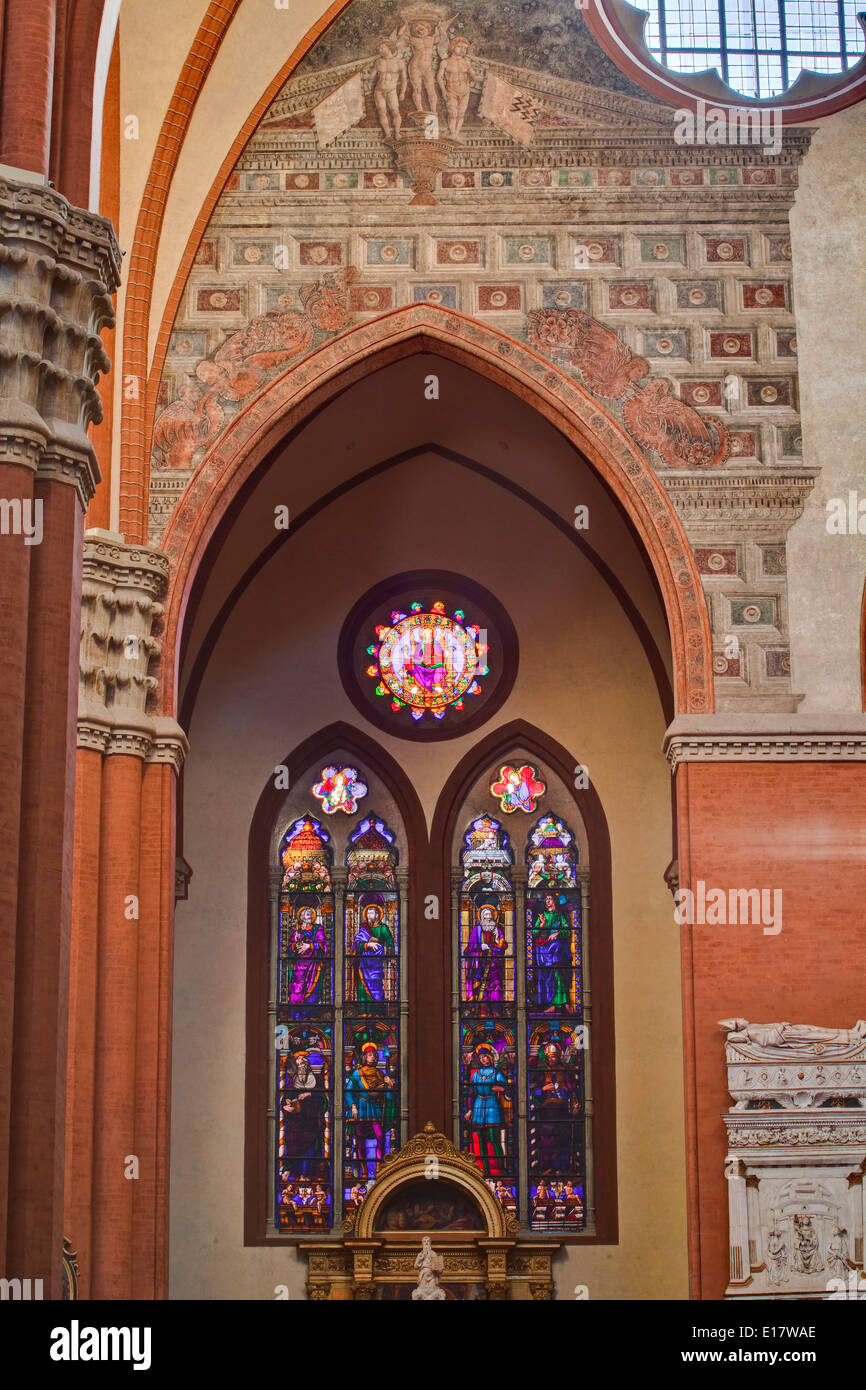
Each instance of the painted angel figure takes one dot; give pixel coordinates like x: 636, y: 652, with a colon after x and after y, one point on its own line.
x: 453, y: 77
x: 390, y: 87
x: 424, y: 36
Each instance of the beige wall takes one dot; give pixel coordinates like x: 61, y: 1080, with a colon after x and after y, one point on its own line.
x: 826, y: 572
x: 273, y: 681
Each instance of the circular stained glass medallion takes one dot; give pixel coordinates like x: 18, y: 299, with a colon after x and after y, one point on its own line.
x: 427, y: 660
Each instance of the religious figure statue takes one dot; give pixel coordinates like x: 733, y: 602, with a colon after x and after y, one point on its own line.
x: 837, y: 1253
x: 777, y: 1256
x: 390, y: 87
x: 370, y: 1110
x: 807, y: 1251
x: 485, y: 957
x: 797, y: 1036
x: 306, y: 942
x: 429, y: 1266
x: 551, y: 940
x: 453, y: 77
x: 486, y: 1113
x: 373, y: 948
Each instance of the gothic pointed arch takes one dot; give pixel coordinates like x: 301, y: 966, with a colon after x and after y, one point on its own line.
x: 286, y: 401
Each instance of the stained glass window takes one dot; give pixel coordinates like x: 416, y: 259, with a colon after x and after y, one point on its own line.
x: 305, y: 1031
x: 555, y: 1033
x: 522, y: 1037
x: 339, y: 789
x: 488, y: 1060
x: 371, y: 1050
x: 427, y: 661
x: 517, y: 788
x: 338, y: 1021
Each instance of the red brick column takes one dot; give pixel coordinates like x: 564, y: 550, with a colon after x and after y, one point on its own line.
x: 82, y: 1009
x: 114, y: 1115
x: 153, y: 1061
x: 116, y: 1200
x: 60, y: 265
x: 794, y: 823
x: 16, y: 484
x: 38, y: 1117
x: 27, y: 92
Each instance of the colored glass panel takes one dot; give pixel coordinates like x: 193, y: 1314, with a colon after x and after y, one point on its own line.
x: 556, y: 1037
x: 339, y: 789
x: 518, y: 788
x: 371, y: 1041
x: 427, y: 660
x: 304, y: 1037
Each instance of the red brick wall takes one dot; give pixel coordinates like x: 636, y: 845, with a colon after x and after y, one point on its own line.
x: 799, y: 828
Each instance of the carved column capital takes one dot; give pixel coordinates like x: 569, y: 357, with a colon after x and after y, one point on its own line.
x: 121, y: 612
x: 61, y: 265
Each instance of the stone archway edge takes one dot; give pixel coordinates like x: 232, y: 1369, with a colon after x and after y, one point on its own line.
x: 288, y: 398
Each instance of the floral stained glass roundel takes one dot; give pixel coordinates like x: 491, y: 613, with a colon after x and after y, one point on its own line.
x: 427, y: 660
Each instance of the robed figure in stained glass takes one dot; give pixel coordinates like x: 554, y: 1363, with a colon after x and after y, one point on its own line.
x: 304, y: 1105
x: 306, y: 942
x: 485, y: 957
x: 553, y: 1104
x: 373, y: 948
x: 486, y: 1113
x: 370, y: 1109
x: 551, y: 932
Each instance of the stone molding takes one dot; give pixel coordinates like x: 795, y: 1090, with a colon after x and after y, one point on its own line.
x: 121, y: 610
x: 766, y: 738
x: 751, y: 499
x: 61, y: 266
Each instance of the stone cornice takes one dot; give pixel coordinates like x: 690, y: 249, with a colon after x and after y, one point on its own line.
x: 749, y: 497
x: 762, y: 738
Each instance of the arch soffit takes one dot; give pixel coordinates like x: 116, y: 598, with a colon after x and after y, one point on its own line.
x: 292, y: 396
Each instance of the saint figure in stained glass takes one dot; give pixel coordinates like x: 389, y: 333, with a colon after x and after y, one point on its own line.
x: 486, y: 1114
x: 485, y: 954
x: 371, y: 1115
x: 373, y: 948
x: 552, y: 945
x: 306, y: 941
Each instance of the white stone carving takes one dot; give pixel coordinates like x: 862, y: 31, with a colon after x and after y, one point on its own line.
x: 429, y: 1266
x: 796, y: 1174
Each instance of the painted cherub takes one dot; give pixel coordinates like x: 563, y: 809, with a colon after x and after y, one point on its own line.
x: 453, y: 77
x: 424, y: 37
x: 390, y: 87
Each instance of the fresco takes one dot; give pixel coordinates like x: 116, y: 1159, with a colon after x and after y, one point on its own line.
x: 493, y: 162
